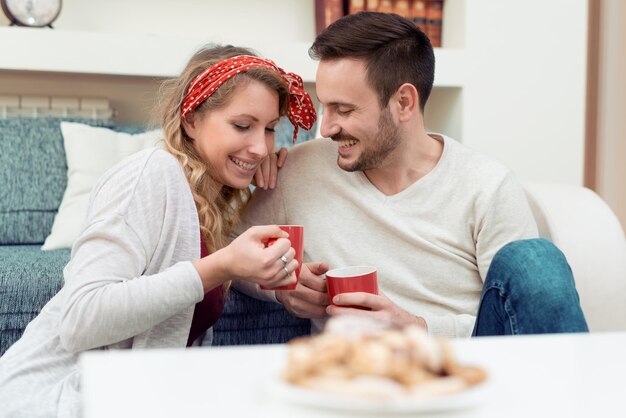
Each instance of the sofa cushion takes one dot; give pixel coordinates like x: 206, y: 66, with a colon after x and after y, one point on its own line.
x: 33, y: 176
x: 29, y: 278
x: 90, y: 151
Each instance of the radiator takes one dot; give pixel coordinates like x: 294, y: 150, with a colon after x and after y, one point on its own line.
x: 42, y: 106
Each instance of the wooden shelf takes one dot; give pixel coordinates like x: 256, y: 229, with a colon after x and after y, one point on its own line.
x: 150, y: 55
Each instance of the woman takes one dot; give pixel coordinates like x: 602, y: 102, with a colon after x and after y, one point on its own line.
x: 154, y: 243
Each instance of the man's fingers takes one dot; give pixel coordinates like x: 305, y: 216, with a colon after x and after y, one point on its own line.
x: 304, y: 302
x: 333, y: 310
x: 304, y: 309
x: 311, y: 295
x: 317, y: 268
x: 367, y: 300
x: 313, y: 311
x: 311, y: 280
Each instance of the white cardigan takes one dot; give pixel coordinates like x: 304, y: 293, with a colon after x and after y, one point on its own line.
x: 130, y: 283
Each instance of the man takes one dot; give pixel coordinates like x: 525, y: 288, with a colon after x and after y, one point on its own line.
x: 428, y: 212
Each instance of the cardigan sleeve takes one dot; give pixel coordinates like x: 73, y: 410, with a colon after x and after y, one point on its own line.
x: 113, y: 290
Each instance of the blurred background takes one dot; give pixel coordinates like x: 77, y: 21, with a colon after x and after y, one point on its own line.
x: 538, y: 84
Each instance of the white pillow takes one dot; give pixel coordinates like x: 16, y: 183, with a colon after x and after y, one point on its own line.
x: 90, y: 152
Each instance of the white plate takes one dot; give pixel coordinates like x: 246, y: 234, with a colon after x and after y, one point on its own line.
x: 467, y: 398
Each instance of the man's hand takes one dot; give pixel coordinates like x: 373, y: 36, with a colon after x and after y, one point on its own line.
x: 382, y: 308
x: 309, y: 299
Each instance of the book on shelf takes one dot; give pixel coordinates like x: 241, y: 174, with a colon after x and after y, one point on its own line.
x: 402, y: 8
x: 372, y: 5
x: 425, y: 14
x: 434, y: 21
x: 386, y: 6
x: 327, y: 11
x: 417, y: 13
x: 356, y: 6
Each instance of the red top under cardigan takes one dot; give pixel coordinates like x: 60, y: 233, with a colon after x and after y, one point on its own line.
x: 209, y: 309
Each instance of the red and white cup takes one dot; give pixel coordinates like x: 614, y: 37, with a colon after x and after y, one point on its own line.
x: 352, y: 279
x: 296, y: 237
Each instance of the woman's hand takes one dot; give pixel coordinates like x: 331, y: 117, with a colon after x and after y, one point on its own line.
x: 267, y: 173
x: 247, y: 258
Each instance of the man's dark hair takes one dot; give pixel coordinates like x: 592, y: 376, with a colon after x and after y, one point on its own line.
x: 394, y: 49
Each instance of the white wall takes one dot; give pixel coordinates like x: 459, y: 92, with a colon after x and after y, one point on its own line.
x: 261, y: 25
x: 267, y: 19
x: 524, y: 101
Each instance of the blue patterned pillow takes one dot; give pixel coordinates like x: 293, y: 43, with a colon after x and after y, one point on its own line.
x: 33, y: 176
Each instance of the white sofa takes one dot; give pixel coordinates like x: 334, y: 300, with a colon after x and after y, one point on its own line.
x: 582, y: 225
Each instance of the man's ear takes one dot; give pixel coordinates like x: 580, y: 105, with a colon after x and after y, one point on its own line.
x: 407, y: 99
x: 189, y: 125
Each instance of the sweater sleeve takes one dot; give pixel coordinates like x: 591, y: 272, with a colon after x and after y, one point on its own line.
x: 107, y: 297
x: 113, y: 290
x: 507, y: 218
x: 504, y: 217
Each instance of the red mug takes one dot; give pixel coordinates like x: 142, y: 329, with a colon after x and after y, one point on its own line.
x: 296, y: 237
x: 352, y: 279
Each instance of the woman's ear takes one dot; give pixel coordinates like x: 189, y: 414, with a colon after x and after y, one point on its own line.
x: 408, y: 101
x: 189, y: 125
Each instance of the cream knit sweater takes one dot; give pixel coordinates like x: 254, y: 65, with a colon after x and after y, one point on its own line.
x: 432, y: 243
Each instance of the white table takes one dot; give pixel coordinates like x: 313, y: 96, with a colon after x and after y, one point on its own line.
x: 531, y: 376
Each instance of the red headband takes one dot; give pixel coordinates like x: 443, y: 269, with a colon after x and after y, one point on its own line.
x: 301, y: 111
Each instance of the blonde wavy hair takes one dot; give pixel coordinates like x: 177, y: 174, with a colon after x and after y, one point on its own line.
x: 217, y: 216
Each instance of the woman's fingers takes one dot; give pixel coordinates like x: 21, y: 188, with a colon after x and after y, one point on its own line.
x: 285, y: 275
x: 266, y: 169
x: 276, y: 162
x: 273, y: 170
x: 258, y: 179
x: 267, y: 174
x: 263, y: 232
x: 261, y: 177
x: 282, y: 157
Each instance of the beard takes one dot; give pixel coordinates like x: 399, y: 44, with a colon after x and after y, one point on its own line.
x: 376, y: 148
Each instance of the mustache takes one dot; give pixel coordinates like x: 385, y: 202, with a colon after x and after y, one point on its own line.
x: 342, y: 136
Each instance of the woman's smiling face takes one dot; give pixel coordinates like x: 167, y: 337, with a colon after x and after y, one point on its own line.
x: 235, y: 138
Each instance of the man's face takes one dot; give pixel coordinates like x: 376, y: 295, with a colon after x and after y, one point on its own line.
x: 365, y: 134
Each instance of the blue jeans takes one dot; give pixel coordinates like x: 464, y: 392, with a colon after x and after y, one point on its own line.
x: 529, y: 290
